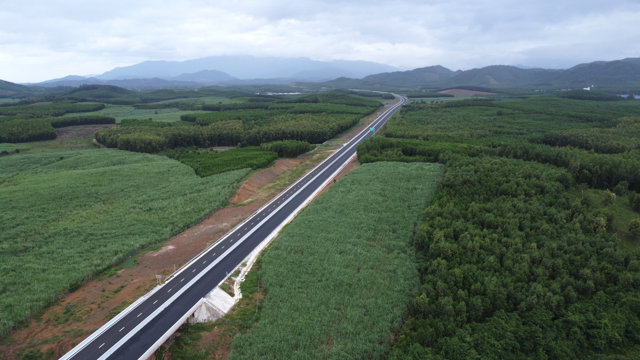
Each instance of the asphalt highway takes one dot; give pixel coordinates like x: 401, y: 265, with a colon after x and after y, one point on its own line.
x: 134, y: 331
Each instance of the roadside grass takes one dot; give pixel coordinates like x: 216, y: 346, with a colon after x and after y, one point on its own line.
x: 66, y: 216
x: 188, y: 343
x: 339, y: 277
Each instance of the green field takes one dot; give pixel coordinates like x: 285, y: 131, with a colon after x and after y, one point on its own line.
x: 65, y: 216
x: 207, y: 162
x: 120, y: 112
x: 531, y: 247
x: 339, y: 276
x: 7, y: 148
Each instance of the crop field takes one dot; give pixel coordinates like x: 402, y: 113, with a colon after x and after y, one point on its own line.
x: 339, y: 276
x: 120, y: 112
x: 67, y: 215
x: 531, y: 247
x: 207, y: 162
x: 7, y: 148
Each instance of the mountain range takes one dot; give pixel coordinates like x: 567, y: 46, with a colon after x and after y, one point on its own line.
x: 246, y: 70
x: 224, y: 70
x: 617, y: 74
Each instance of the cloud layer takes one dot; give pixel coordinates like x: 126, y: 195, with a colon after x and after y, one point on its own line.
x: 41, y: 40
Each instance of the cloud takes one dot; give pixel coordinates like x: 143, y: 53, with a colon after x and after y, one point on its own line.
x: 45, y: 39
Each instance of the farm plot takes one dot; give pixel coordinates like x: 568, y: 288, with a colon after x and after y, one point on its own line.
x: 65, y: 216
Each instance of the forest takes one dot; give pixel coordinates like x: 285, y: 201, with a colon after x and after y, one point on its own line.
x: 530, y: 248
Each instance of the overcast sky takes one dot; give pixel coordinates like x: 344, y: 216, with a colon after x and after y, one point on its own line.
x: 45, y: 39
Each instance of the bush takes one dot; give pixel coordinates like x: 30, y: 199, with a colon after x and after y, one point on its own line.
x: 634, y: 228
x: 146, y: 143
x: 14, y: 131
x: 82, y: 120
x: 287, y: 148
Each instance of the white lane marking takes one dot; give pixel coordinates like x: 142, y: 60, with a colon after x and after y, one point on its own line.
x: 181, y: 280
x: 139, y: 315
x: 194, y: 270
x: 154, y: 302
x: 121, y: 329
x: 204, y: 261
x: 101, y: 345
x: 168, y: 291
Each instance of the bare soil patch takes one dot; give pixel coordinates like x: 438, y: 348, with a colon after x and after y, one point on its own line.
x: 464, y: 92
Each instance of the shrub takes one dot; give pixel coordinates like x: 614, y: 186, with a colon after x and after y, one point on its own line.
x: 287, y: 148
x: 146, y: 143
x: 82, y: 120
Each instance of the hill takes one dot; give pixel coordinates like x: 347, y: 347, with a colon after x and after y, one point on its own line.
x: 618, y: 74
x: 9, y: 89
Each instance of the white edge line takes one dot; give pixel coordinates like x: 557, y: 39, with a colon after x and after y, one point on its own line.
x: 131, y: 307
x: 76, y: 349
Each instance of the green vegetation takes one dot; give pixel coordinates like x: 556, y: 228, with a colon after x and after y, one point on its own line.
x: 312, y: 118
x: 82, y: 120
x: 287, y: 148
x: 529, y: 249
x: 22, y: 130
x: 589, y: 95
x: 65, y: 216
x: 207, y: 162
x: 338, y: 277
x: 29, y: 110
x: 6, y: 148
x: 429, y: 94
x: 153, y: 111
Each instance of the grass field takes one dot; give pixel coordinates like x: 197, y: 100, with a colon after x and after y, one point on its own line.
x: 7, y: 148
x: 65, y: 216
x: 120, y: 112
x: 208, y: 162
x: 339, y: 277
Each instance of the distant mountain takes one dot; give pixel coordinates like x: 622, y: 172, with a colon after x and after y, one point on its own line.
x: 246, y: 70
x: 206, y: 77
x: 401, y: 79
x: 618, y: 73
x: 249, y: 67
x: 604, y: 74
x: 504, y: 76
